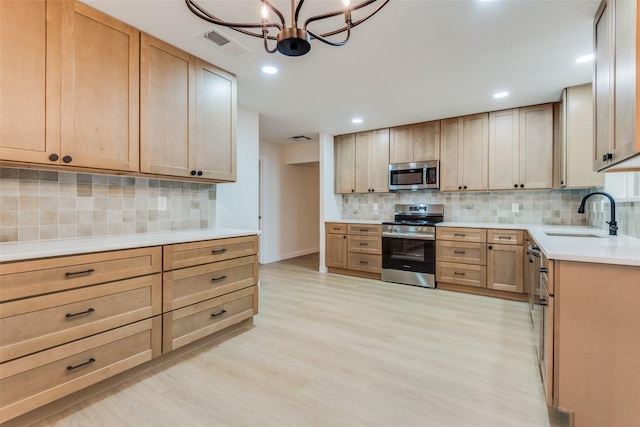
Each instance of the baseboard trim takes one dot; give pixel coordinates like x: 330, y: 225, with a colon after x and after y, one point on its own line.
x: 295, y: 254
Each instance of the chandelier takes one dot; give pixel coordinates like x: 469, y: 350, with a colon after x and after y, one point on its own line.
x: 293, y: 40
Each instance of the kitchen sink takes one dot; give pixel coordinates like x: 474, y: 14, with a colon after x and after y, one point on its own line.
x: 569, y: 234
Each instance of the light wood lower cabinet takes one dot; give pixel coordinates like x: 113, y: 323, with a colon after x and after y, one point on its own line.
x: 70, y: 322
x: 594, y: 373
x: 489, y: 261
x: 354, y: 249
x: 213, y: 285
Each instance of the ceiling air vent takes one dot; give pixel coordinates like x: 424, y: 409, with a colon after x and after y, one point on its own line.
x: 300, y: 138
x: 224, y: 43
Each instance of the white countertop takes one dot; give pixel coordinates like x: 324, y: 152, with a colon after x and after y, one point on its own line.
x: 358, y: 221
x: 17, y: 251
x: 604, y: 249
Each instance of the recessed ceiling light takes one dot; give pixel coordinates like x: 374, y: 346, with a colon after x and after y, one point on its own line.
x: 268, y: 69
x: 585, y: 58
x: 357, y: 120
x: 501, y: 95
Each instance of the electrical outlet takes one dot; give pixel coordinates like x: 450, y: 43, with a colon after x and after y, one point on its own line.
x: 162, y: 203
x: 375, y: 206
x: 515, y: 207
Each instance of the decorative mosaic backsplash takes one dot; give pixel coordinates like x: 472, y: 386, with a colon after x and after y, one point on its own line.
x: 41, y: 205
x: 556, y: 207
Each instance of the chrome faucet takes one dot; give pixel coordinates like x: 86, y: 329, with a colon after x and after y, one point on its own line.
x: 613, y: 225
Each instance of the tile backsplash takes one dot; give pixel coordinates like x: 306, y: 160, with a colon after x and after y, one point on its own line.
x: 42, y: 205
x: 555, y: 207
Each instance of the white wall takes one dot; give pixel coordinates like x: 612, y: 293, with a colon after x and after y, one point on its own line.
x: 291, y: 206
x: 330, y: 203
x: 237, y: 203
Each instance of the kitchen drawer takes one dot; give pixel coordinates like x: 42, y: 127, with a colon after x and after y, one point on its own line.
x: 34, y: 324
x: 477, y: 235
x: 197, y: 253
x: 29, y: 278
x: 467, y: 253
x: 32, y: 381
x: 364, y: 244
x: 461, y: 274
x: 191, y: 285
x: 364, y: 229
x: 336, y: 228
x: 505, y: 237
x: 364, y: 262
x: 188, y: 324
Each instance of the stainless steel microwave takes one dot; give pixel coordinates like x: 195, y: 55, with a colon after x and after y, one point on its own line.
x: 414, y: 176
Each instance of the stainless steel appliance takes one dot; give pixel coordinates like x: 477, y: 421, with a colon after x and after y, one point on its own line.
x: 414, y: 176
x: 409, y: 245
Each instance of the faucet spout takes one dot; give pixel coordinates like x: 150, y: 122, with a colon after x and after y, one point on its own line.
x: 613, y: 225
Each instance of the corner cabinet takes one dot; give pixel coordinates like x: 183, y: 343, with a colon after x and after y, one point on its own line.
x: 575, y: 140
x: 187, y: 115
x: 362, y: 162
x: 72, y: 94
x: 616, y: 89
x: 464, y: 153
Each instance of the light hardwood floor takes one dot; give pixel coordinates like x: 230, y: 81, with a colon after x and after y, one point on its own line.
x: 330, y: 350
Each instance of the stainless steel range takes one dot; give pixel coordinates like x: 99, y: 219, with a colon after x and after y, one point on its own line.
x: 409, y: 245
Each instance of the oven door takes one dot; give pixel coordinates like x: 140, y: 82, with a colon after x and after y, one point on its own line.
x: 403, y: 253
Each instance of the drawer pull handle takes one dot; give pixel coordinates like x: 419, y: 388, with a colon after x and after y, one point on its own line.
x: 219, y: 314
x: 70, y: 315
x: 459, y: 274
x: 218, y: 251
x: 336, y: 229
x: 543, y: 302
x: 504, y: 237
x: 459, y: 252
x: 215, y: 279
x: 77, y: 273
x: 459, y: 234
x: 364, y: 262
x: 364, y: 244
x: 88, y: 362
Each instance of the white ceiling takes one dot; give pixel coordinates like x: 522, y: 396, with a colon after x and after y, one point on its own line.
x: 416, y: 60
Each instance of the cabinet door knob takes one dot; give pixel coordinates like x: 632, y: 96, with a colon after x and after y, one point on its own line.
x: 67, y: 159
x: 515, y: 185
x: 54, y: 157
x: 489, y: 247
x: 464, y: 187
x: 521, y: 185
x: 607, y: 156
x: 459, y: 188
x: 352, y: 190
x: 199, y: 173
x: 193, y: 173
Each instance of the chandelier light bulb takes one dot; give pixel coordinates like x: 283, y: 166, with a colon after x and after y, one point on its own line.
x: 264, y: 12
x: 346, y: 3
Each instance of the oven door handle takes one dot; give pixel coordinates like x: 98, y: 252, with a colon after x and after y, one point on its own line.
x: 410, y: 236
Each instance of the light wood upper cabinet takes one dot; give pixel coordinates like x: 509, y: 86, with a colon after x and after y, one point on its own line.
x: 29, y: 80
x: 100, y: 90
x: 521, y: 148
x: 215, y: 148
x: 504, y: 149
x: 372, y: 161
x: 188, y: 110
x: 415, y: 143
x: 464, y: 152
x: 575, y: 140
x: 362, y: 162
x: 616, y: 87
x: 345, y: 157
x: 69, y: 97
x: 166, y: 128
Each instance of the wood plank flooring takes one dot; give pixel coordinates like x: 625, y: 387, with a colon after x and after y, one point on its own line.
x: 330, y: 350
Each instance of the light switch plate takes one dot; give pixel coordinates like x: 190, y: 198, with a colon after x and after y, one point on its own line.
x: 515, y: 207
